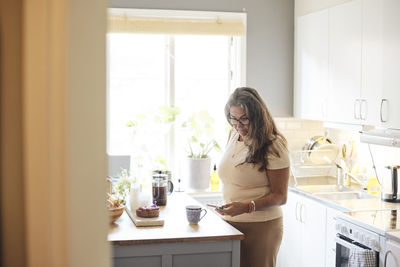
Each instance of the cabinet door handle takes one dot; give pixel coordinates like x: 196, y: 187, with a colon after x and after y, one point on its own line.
x: 381, y: 112
x: 297, y: 217
x: 363, y: 110
x: 301, y: 213
x: 386, y: 255
x: 355, y: 113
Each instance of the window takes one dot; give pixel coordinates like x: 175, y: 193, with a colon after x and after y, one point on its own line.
x: 150, y: 71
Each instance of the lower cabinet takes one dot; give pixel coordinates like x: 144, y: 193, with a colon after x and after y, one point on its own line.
x: 392, y: 254
x: 290, y: 251
x: 304, y: 240
x: 330, y: 251
x: 225, y: 253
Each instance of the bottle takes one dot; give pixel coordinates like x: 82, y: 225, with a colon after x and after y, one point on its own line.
x: 373, y: 186
x: 214, y: 179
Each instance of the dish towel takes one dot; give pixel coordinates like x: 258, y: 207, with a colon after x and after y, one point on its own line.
x: 360, y: 257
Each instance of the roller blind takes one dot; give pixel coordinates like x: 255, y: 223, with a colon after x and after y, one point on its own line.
x: 208, y: 26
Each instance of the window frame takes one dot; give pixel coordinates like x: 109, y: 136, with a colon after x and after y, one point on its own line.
x: 237, y: 68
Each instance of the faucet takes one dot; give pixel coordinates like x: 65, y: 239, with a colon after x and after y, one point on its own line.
x: 344, y: 178
x: 340, y: 177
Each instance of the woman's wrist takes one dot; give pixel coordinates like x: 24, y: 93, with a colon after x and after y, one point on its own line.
x: 254, y: 205
x: 251, y: 206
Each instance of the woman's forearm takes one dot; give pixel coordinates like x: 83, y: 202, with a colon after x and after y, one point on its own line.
x: 272, y: 199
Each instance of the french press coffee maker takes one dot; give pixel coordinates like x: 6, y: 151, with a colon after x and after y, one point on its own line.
x: 161, y: 188
x: 390, y: 186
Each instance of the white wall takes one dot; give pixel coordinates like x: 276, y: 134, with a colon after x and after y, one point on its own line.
x: 269, y: 42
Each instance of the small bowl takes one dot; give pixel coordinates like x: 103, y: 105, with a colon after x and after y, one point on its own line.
x: 115, y: 213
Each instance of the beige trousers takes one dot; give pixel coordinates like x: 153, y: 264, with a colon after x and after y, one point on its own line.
x: 261, y: 243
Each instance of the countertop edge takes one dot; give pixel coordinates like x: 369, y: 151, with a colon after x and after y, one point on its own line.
x: 394, y: 235
x: 327, y: 203
x: 177, y: 240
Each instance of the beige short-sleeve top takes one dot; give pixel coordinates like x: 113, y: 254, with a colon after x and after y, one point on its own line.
x: 244, y: 182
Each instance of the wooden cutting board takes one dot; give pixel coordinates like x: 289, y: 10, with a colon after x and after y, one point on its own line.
x: 138, y: 221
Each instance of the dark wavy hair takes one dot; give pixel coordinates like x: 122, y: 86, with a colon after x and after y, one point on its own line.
x: 262, y: 128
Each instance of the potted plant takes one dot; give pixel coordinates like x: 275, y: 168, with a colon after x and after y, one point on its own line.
x: 200, y: 144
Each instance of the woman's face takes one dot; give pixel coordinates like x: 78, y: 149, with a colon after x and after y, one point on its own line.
x: 239, y: 120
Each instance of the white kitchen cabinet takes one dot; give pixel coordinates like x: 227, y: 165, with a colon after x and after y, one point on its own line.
x: 303, y: 241
x: 313, y: 216
x: 371, y: 68
x: 391, y: 64
x: 311, y: 79
x: 380, y: 62
x: 330, y: 251
x: 290, y: 250
x: 362, y: 61
x: 392, y: 254
x: 344, y: 63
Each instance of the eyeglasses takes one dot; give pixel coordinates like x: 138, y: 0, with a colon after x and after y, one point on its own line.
x: 243, y: 121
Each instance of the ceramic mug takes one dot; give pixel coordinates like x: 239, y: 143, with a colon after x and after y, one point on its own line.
x: 193, y: 213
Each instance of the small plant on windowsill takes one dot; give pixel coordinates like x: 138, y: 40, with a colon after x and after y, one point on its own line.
x: 200, y: 141
x: 200, y: 144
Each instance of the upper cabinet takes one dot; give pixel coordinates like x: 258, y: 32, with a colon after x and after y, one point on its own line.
x: 390, y: 108
x: 311, y: 61
x: 344, y: 62
x: 361, y: 59
x: 371, y: 68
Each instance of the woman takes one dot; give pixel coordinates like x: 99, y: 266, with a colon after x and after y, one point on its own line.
x: 255, y: 173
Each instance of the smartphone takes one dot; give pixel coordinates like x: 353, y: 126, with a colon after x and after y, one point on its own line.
x: 215, y: 206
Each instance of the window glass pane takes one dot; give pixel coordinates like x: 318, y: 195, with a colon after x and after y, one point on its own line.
x: 202, y: 81
x: 137, y: 82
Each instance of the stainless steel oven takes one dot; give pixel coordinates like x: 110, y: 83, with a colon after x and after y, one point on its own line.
x: 343, y: 248
x: 350, y: 236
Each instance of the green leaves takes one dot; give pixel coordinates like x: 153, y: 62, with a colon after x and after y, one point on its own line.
x: 201, y: 141
x: 167, y: 114
x: 137, y: 121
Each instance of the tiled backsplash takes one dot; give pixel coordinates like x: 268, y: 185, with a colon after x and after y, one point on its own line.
x: 298, y: 132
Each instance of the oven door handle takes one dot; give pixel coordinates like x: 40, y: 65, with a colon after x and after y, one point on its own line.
x: 346, y: 244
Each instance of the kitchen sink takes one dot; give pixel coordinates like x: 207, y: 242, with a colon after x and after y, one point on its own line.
x: 322, y: 189
x: 344, y: 195
x: 315, y: 180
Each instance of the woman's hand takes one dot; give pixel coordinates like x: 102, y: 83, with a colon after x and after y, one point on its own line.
x: 233, y: 209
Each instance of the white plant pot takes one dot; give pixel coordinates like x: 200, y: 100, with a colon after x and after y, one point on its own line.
x: 198, y: 173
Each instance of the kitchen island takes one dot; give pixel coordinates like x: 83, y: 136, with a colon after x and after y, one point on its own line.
x: 212, y: 242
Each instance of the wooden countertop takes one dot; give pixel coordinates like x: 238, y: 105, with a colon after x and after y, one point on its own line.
x: 176, y: 227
